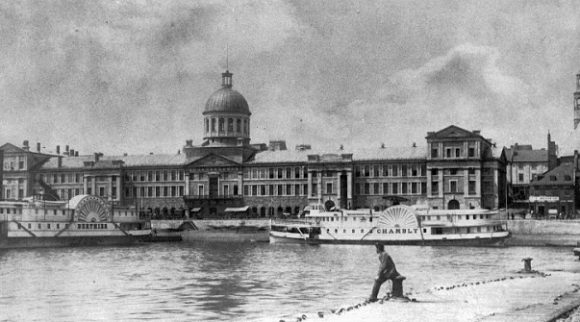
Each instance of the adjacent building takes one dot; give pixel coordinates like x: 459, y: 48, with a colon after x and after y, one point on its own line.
x: 226, y: 174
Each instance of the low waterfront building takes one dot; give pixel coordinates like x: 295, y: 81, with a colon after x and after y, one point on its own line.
x: 525, y: 164
x: 554, y: 194
x: 227, y: 176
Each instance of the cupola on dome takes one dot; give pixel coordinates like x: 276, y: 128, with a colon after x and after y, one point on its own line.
x: 227, y: 100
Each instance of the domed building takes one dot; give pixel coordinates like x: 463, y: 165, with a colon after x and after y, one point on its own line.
x: 226, y: 126
x: 226, y: 116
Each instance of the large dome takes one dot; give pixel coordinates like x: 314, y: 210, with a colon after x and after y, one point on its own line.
x: 227, y: 100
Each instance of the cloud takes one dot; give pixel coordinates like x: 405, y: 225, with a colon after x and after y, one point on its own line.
x: 86, y: 73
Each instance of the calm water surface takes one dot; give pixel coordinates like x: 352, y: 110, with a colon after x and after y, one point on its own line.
x: 225, y: 281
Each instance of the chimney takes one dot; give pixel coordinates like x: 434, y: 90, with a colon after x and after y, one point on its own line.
x: 59, y: 162
x: 414, y: 144
x: 58, y: 149
x: 25, y: 145
x: 76, y: 153
x: 71, y: 153
x: 66, y: 149
x: 97, y: 157
x: 37, y: 146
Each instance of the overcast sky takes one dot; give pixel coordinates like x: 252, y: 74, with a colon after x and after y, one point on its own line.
x: 134, y: 76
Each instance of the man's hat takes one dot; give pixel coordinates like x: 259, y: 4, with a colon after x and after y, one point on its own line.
x: 380, y: 246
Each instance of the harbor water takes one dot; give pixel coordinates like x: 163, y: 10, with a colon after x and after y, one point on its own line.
x: 232, y: 281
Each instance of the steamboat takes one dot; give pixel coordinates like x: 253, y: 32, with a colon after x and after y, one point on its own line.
x: 396, y: 225
x: 84, y: 220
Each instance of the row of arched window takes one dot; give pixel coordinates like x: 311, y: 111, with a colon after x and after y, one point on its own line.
x: 214, y: 124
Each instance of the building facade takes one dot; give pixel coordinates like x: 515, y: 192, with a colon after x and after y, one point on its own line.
x: 226, y: 174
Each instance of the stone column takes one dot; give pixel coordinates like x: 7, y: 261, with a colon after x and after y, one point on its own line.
x: 240, y: 182
x: 319, y: 182
x: 441, y: 183
x: 110, y: 188
x: 478, y: 182
x: 349, y: 188
x: 85, y: 185
x: 429, y: 192
x: 338, y: 191
x: 466, y: 182
x: 186, y: 190
x: 118, y: 188
x: 309, y: 184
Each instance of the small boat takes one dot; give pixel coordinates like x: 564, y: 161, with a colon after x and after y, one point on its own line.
x: 84, y: 220
x: 397, y: 225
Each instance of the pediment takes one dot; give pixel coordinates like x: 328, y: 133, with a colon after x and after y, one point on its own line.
x: 453, y: 132
x: 11, y: 148
x: 212, y: 160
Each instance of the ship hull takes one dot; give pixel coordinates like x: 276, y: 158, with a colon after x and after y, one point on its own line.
x: 49, y: 242
x: 490, y: 241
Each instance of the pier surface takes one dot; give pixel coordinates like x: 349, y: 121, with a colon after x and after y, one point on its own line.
x: 546, y: 296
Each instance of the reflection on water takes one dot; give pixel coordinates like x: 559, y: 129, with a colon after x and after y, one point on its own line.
x: 230, y: 281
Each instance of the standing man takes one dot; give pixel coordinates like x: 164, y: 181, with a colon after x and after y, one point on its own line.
x: 387, y: 271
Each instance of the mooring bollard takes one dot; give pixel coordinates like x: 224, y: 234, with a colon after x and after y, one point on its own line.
x: 527, y: 264
x: 397, y: 289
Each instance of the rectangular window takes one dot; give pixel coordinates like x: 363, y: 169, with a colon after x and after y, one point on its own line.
x: 404, y: 188
x: 367, y: 188
x: 414, y: 188
x: 288, y: 173
x: 367, y: 171
x: 471, y: 170
x: 376, y: 188
x: 246, y: 190
x: 521, y: 177
x: 305, y: 190
x: 357, y: 188
x: 263, y: 190
x: 314, y: 189
x: 271, y: 173
x: 328, y: 188
x: 424, y: 187
x: 288, y: 189
x: 403, y: 170
x: 471, y: 152
x: 357, y: 171
x: 453, y: 186
x: 395, y: 188
x: 395, y: 170
x: 434, y: 153
x: 457, y: 152
x: 471, y: 187
x: 385, y: 188
x: 254, y: 190
x: 435, y: 187
x: 279, y: 190
x: 385, y: 170
x: 166, y: 191
x: 448, y: 153
x: 297, y: 190
x: 376, y: 171
x: 414, y: 171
